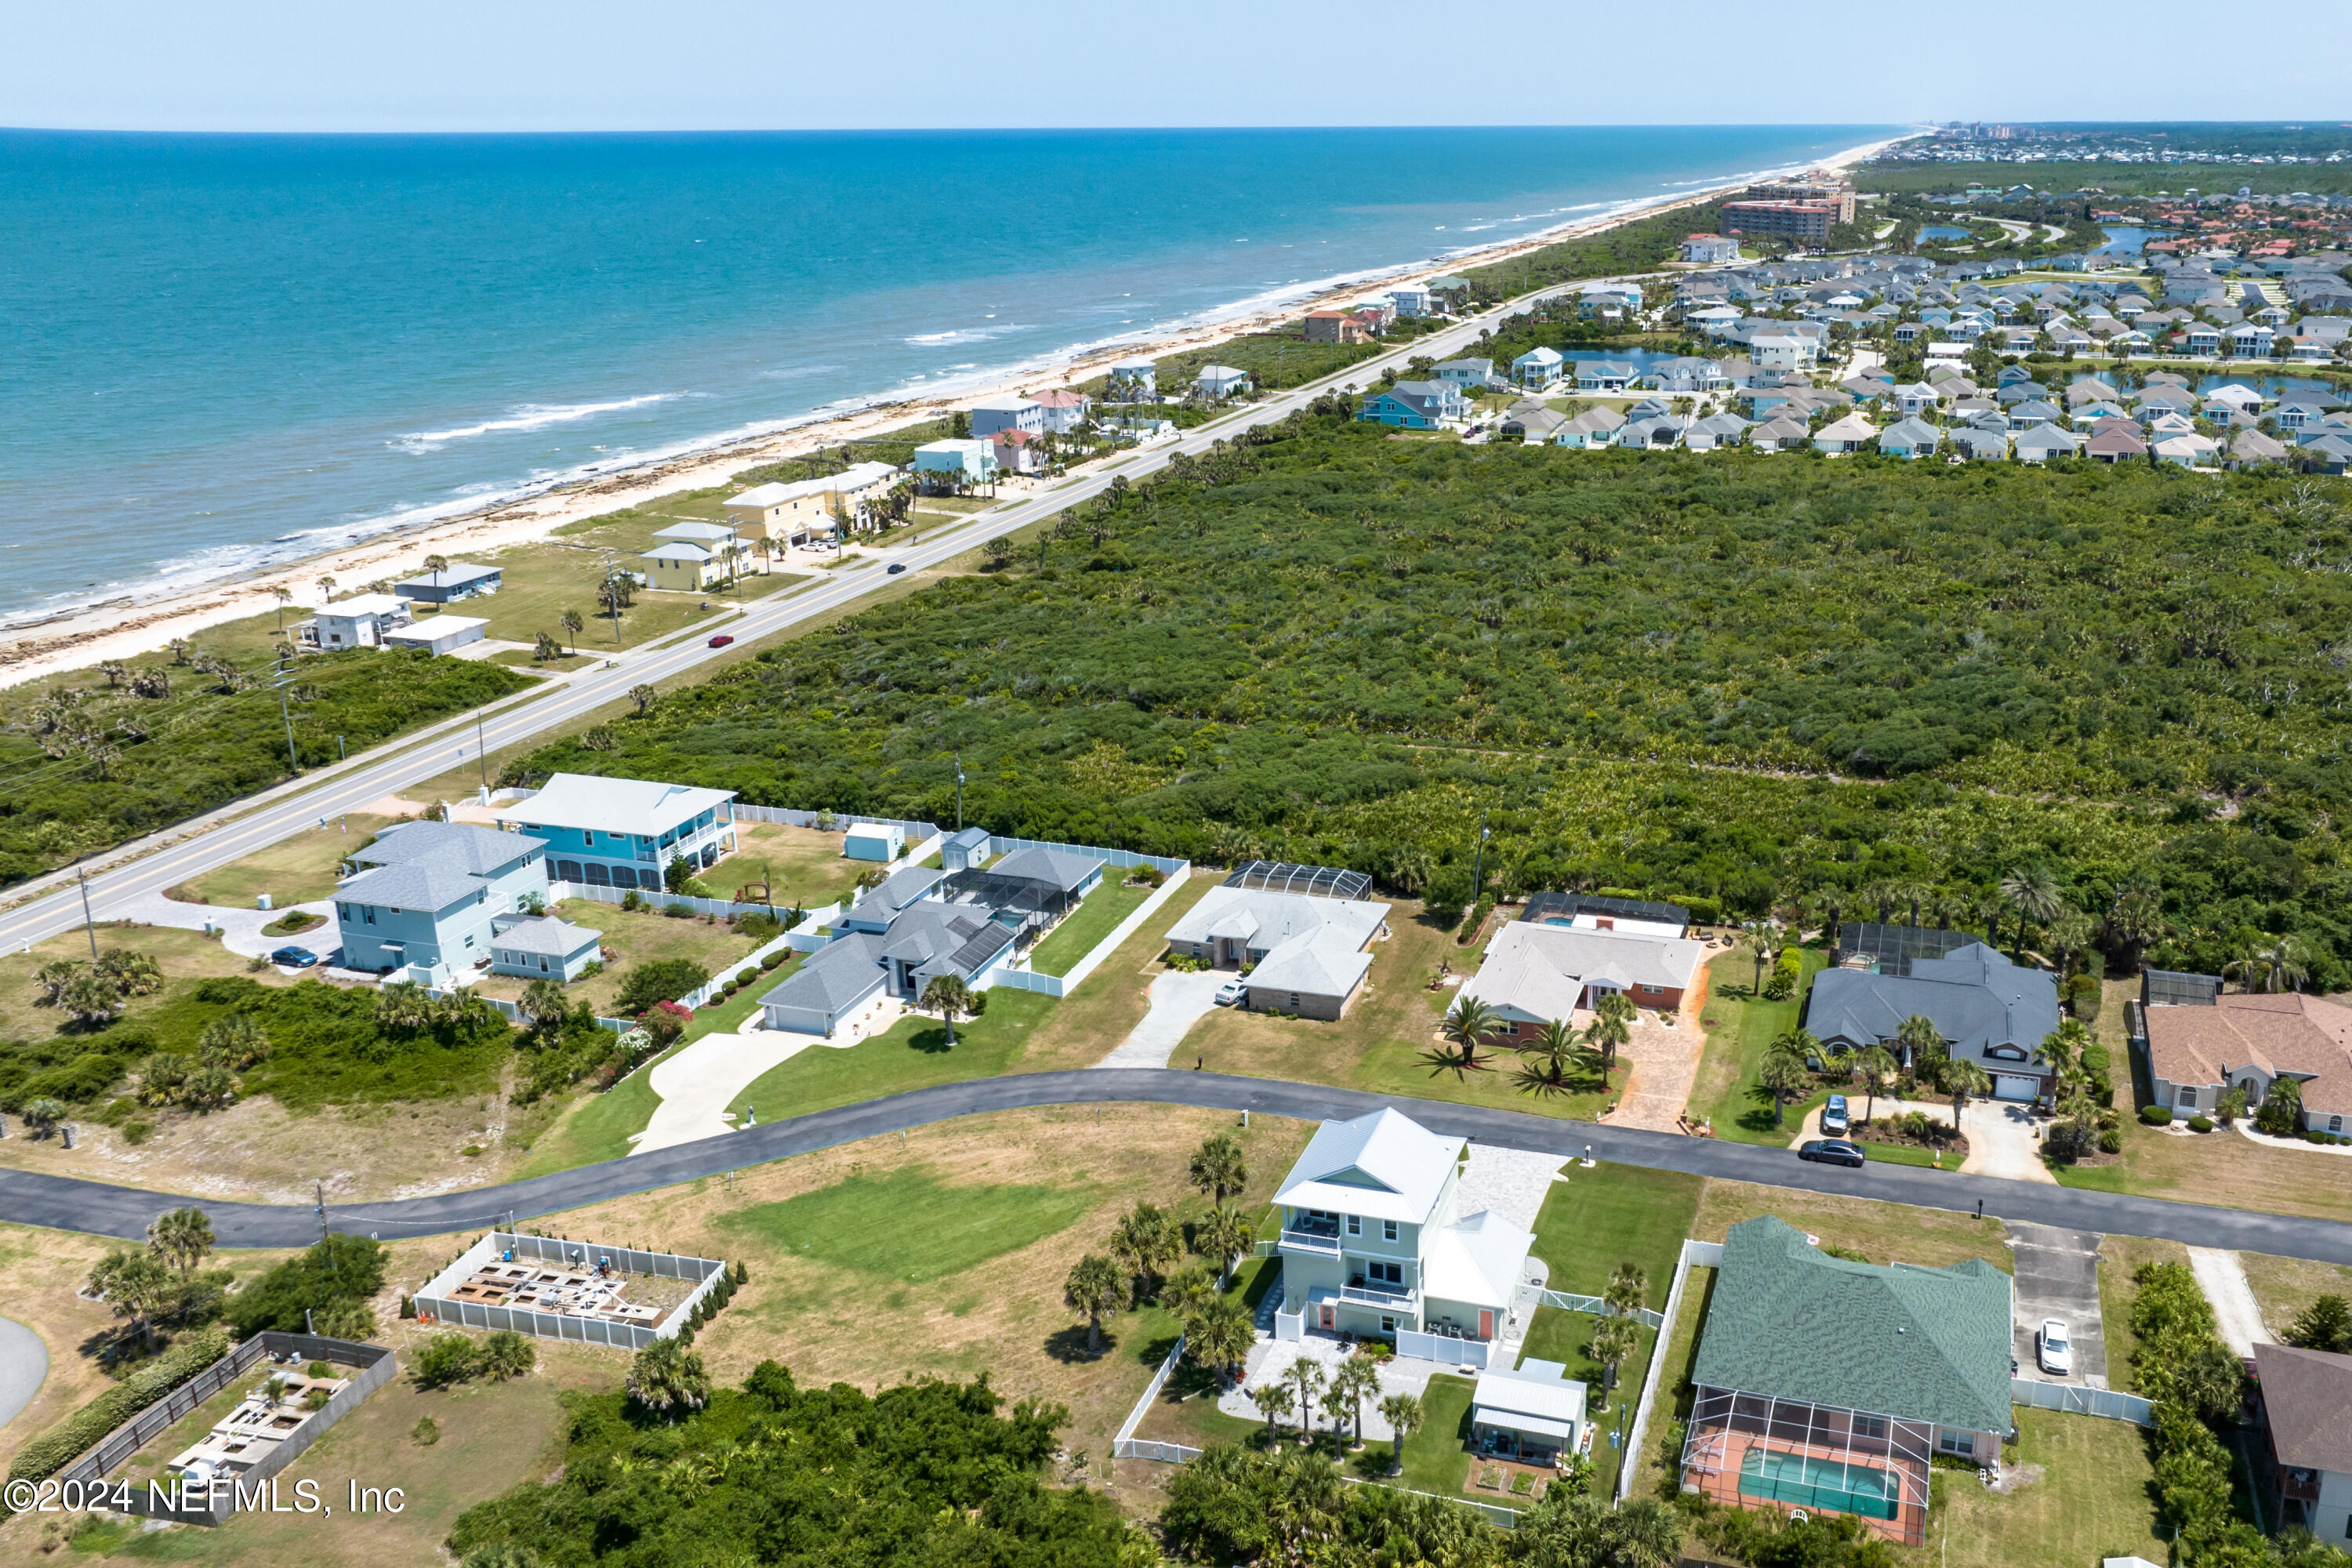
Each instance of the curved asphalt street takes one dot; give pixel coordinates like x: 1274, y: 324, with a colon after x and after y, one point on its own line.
x: 24, y: 1367
x: 67, y: 1203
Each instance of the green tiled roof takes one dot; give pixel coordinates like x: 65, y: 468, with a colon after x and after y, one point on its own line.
x: 1925, y: 1344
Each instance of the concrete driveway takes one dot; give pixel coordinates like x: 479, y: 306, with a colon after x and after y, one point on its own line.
x: 2002, y: 1143
x: 1179, y: 1001
x: 2236, y: 1313
x: 2058, y: 1276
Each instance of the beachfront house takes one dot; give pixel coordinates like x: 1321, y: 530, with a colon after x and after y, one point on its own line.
x: 1134, y: 381
x: 990, y: 414
x: 1594, y: 428
x: 427, y: 897
x: 683, y: 568
x: 957, y: 464
x: 1306, y: 954
x: 1374, y: 1244
x: 1707, y: 249
x: 624, y: 833
x: 1066, y: 410
x: 437, y: 634
x: 360, y: 621
x: 803, y: 509
x: 1410, y: 300
x: 459, y: 580
x: 1416, y: 405
x: 1823, y: 1384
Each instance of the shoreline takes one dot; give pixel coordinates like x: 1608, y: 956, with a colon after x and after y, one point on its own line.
x: 135, y: 624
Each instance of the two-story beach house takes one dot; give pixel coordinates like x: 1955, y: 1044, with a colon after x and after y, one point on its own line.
x: 795, y: 512
x: 1373, y: 1243
x: 428, y: 898
x: 624, y: 833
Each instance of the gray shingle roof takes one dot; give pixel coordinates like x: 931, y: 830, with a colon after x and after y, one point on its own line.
x: 836, y: 976
x: 479, y: 850
x: 1899, y: 1339
x: 1975, y: 996
x: 1056, y: 868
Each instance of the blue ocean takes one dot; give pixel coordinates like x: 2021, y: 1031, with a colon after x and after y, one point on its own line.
x: 219, y: 351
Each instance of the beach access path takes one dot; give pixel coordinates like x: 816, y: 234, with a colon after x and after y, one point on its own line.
x: 147, y: 866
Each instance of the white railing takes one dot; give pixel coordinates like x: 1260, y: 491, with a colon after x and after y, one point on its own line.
x: 2107, y: 1402
x: 654, y: 899
x: 1076, y: 975
x: 1312, y: 1241
x: 831, y: 819
x: 1374, y: 1295
x: 437, y: 1302
x: 1123, y: 1447
x: 1123, y: 858
x: 1443, y: 1348
x: 1695, y: 1254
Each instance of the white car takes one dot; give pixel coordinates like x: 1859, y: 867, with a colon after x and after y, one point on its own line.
x: 1231, y: 992
x: 2056, y: 1351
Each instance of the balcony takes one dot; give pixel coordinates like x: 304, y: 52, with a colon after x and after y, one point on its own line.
x: 1392, y: 1297
x: 1321, y: 1242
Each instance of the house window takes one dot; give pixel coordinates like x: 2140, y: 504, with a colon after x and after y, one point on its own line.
x: 1388, y: 1230
x: 1355, y: 1225
x: 2187, y: 1095
x: 1385, y: 1273
x: 2336, y: 1124
x: 369, y: 911
x: 1870, y: 1425
x: 1961, y: 1443
x: 1294, y: 1001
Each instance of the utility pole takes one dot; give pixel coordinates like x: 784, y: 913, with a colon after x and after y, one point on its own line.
x: 87, y: 923
x: 481, y: 757
x: 285, y: 679
x: 319, y: 1189
x: 959, y: 766
x: 1479, y: 863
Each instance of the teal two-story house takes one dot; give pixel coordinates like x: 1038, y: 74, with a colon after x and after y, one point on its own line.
x: 1373, y: 1244
x: 428, y: 897
x: 624, y: 833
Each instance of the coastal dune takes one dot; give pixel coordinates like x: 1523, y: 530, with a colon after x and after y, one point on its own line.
x: 133, y: 627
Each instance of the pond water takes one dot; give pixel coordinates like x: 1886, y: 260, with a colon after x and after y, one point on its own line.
x: 1944, y: 231
x: 2125, y: 240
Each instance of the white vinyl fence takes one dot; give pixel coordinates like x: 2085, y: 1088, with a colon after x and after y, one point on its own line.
x: 437, y: 1302
x: 1694, y: 1253
x: 1598, y: 1308
x: 2075, y: 1401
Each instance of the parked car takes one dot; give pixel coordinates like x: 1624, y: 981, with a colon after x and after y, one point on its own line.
x: 1833, y: 1118
x: 896, y: 567
x: 1230, y: 992
x: 721, y: 640
x: 294, y: 957
x: 1831, y: 1152
x: 2056, y: 1349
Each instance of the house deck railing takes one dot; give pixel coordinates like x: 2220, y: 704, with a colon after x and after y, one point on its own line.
x: 1378, y: 1296
x: 1319, y: 1242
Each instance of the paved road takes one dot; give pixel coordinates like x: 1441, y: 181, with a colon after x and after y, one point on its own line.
x: 67, y: 1204
x: 149, y: 866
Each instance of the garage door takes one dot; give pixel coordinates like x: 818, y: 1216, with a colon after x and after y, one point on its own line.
x: 2008, y: 1086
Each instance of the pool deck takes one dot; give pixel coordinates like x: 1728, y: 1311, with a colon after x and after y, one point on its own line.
x: 1718, y: 1454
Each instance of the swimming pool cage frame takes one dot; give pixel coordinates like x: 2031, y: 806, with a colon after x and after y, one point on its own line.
x: 1726, y: 1424
x: 1315, y: 882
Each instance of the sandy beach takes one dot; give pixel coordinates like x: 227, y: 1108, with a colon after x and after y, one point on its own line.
x: 131, y: 627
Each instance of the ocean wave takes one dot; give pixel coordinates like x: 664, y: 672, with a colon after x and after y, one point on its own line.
x: 529, y: 417
x: 959, y: 336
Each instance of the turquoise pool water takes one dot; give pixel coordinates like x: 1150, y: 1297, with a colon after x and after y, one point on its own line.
x: 1802, y: 1481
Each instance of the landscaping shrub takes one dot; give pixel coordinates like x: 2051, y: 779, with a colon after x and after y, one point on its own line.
x: 771, y: 961
x: 2200, y: 1124
x: 1703, y: 911
x: 745, y: 977
x: 46, y: 1454
x: 336, y: 1270
x: 1475, y: 918
x: 661, y: 980
x: 677, y: 909
x: 2111, y: 1141
x: 1788, y: 972
x: 2195, y: 1382
x: 2156, y: 1115
x: 632, y: 901
x: 447, y: 1358
x: 2084, y: 995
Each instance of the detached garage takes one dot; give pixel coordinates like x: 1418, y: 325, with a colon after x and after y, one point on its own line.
x: 438, y: 634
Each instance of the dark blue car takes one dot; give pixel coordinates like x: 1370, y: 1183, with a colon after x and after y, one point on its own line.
x: 294, y: 957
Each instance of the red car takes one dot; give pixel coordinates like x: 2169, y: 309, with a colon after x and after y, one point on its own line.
x: 721, y: 640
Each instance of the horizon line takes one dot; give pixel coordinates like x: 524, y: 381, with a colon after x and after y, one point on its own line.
x: 963, y: 129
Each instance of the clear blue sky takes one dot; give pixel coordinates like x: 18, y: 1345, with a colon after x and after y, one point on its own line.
x: 491, y: 64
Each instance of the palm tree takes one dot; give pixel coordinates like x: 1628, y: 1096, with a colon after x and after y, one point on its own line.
x: 1904, y: 890
x: 1276, y: 1401
x: 285, y: 597
x: 134, y: 1284
x: 2032, y: 893
x: 1553, y: 1049
x: 1646, y: 1533
x: 1628, y: 1287
x: 1964, y: 1080
x: 326, y: 591
x: 1876, y: 1065
x: 1402, y: 1411
x: 1469, y: 1024
x: 2062, y: 1050
x: 42, y: 1114
x: 1224, y: 1233
x: 1218, y: 1168
x: 1095, y: 1287
x: 1918, y: 1034
x: 1221, y: 1338
x: 1612, y: 1026
x: 1784, y: 1072
x: 436, y: 564
x: 573, y: 626
x: 1763, y: 944
x: 2070, y: 931
x: 947, y: 996
x: 181, y: 1238
x: 1305, y: 1377
x: 669, y: 1380
x: 2136, y: 919
x: 1147, y: 1240
x: 2279, y: 963
x: 1614, y: 1340
x: 1188, y: 1293
x: 1353, y: 1382
x: 542, y: 1002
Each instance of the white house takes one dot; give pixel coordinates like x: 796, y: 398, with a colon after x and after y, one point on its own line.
x: 1134, y: 380
x: 1410, y: 300
x: 1309, y: 952
x: 1373, y: 1242
x: 1221, y: 381
x: 360, y: 621
x: 1533, y: 1413
x: 1536, y: 974
x: 1778, y: 351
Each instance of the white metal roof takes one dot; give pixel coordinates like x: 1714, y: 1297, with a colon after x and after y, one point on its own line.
x: 614, y: 806
x: 1383, y: 1165
x: 1538, y: 1391
x: 1476, y: 1261
x: 360, y: 604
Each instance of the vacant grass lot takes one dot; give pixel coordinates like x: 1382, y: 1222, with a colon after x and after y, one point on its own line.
x: 1739, y: 1025
x: 2094, y: 1498
x: 637, y: 937
x: 914, y: 1054
x: 863, y: 1224
x: 1883, y: 1232
x: 182, y: 954
x: 804, y: 866
x: 1095, y: 918
x: 1388, y: 1043
x: 2285, y: 1286
x: 294, y: 870
x: 1596, y: 1219
x: 2220, y: 1167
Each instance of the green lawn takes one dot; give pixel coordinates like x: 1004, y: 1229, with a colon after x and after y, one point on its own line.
x: 1092, y: 920
x: 1738, y: 1029
x: 1596, y: 1219
x: 1437, y: 1456
x: 598, y: 1128
x: 914, y: 1055
x: 2096, y: 1499
x: 864, y: 1223
x: 1904, y: 1154
x: 1658, y: 1473
x: 1567, y: 1338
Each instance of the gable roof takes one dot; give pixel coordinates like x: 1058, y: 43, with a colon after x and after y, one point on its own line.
x: 2304, y: 1395
x: 2287, y: 1034
x: 1899, y: 1339
x: 1542, y: 970
x: 1977, y: 999
x: 1383, y: 1165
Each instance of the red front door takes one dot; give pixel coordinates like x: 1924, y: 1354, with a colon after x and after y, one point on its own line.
x: 1330, y: 1317
x: 1485, y: 1323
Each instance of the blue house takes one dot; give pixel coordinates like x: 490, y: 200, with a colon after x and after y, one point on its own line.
x: 429, y: 896
x: 624, y: 833
x: 544, y: 948
x: 459, y: 580
x: 1414, y: 406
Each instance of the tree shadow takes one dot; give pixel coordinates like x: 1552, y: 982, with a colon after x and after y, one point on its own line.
x: 1069, y: 1345
x: 1443, y: 1058
x: 930, y: 1042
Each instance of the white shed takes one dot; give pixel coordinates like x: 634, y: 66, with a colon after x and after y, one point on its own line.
x: 438, y: 634
x: 874, y: 841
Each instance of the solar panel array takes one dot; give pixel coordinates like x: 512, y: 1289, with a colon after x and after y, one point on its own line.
x: 1315, y: 882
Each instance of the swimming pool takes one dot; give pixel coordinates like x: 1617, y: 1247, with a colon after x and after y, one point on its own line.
x: 1803, y: 1481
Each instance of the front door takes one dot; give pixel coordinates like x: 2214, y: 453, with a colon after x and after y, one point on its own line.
x: 1331, y: 1316
x: 1486, y: 1322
